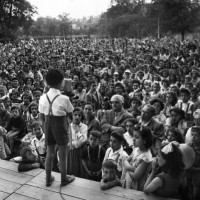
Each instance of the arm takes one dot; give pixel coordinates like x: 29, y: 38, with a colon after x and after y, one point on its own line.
x: 110, y: 184
x: 127, y: 166
x: 25, y: 167
x: 139, y: 171
x: 85, y: 167
x: 153, y: 183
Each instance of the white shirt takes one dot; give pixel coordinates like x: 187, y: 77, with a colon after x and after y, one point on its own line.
x: 129, y: 139
x: 61, y: 106
x: 40, y: 144
x: 118, y: 156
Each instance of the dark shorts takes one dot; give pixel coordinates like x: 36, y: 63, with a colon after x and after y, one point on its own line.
x: 56, y: 130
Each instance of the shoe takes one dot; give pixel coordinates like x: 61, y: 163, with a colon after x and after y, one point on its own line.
x: 68, y: 180
x: 50, y: 181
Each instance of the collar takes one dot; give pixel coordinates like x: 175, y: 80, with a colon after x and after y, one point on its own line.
x: 74, y: 125
x: 119, y: 151
x: 42, y: 138
x: 54, y: 91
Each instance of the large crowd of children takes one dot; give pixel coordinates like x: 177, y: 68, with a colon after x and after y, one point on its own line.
x: 130, y: 105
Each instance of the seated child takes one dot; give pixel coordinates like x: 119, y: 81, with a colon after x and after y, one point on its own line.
x: 115, y: 151
x: 29, y: 159
x: 16, y: 127
x: 110, y: 178
x: 92, y: 157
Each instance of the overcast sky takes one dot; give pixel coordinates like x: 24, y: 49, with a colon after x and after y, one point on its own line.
x: 76, y: 8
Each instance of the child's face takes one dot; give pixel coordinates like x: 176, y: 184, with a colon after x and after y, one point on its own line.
x: 37, y: 131
x: 170, y: 136
x: 134, y: 104
x: 34, y: 110
x: 185, y: 97
x: 115, y: 144
x: 77, y: 117
x: 88, y: 110
x: 94, y: 141
x: 36, y: 97
x: 138, y: 140
x: 30, y: 156
x: 129, y: 127
x: 109, y: 174
x: 161, y: 160
x: 15, y: 113
x: 26, y: 100
x: 196, y: 138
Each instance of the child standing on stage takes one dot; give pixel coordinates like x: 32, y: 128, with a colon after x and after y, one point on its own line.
x: 56, y: 107
x: 92, y: 157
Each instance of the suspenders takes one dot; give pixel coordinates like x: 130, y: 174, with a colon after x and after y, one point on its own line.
x: 51, y: 103
x: 188, y: 105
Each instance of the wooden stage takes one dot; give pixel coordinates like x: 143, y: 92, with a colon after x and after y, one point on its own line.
x: 31, y: 186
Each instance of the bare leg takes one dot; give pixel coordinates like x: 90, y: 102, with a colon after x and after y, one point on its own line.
x: 49, y: 160
x: 128, y: 180
x: 63, y: 161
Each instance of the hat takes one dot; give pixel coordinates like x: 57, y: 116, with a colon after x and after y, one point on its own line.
x: 127, y: 71
x: 116, y: 73
x: 117, y: 97
x: 196, y: 114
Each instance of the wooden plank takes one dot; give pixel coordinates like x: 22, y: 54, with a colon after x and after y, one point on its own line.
x: 3, y: 195
x: 117, y: 191
x: 77, y: 191
x: 41, y: 194
x: 15, y: 177
x: 19, y: 197
x: 14, y: 167
x: 8, y: 187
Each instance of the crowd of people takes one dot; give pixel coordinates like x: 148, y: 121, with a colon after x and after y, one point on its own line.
x: 130, y: 105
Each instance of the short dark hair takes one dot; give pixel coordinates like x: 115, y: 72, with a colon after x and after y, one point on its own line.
x: 131, y: 120
x: 88, y: 103
x: 110, y: 164
x: 35, y: 124
x: 95, y: 134
x: 154, y: 100
x: 54, y: 77
x: 185, y: 91
x: 146, y: 135
x: 31, y: 105
x: 118, y: 136
x: 179, y: 111
x: 15, y: 108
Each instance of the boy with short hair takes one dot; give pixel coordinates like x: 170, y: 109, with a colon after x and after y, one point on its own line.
x: 56, y: 107
x: 110, y: 178
x: 92, y: 157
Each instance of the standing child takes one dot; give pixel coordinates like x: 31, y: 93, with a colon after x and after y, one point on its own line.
x: 92, y: 157
x: 79, y: 138
x: 137, y: 166
x: 110, y: 178
x: 168, y: 182
x: 56, y: 107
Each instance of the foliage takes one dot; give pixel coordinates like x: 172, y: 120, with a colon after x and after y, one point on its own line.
x: 14, y: 16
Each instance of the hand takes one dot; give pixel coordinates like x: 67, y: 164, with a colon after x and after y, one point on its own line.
x: 155, y: 167
x: 36, y: 165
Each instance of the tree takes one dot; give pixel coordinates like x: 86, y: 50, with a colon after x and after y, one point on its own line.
x: 178, y: 16
x: 15, y: 14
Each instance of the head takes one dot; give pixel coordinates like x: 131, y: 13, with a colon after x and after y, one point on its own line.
x: 174, y: 134
x: 136, y: 84
x: 196, y: 116
x: 171, y: 98
x: 195, y: 132
x: 130, y: 123
x: 15, y: 111
x: 93, y: 86
x: 94, y: 137
x: 148, y: 111
x: 194, y: 93
x: 119, y: 88
x: 185, y: 95
x: 116, y: 140
x: 109, y: 168
x: 36, y: 128
x: 156, y: 87
x: 135, y: 103
x: 33, y: 109
x: 117, y: 102
x: 142, y: 137
x: 77, y: 115
x: 26, y: 97
x: 88, y: 110
x: 158, y: 105
x: 54, y: 78
x: 177, y: 114
x: 170, y: 159
x: 79, y: 86
x: 28, y: 154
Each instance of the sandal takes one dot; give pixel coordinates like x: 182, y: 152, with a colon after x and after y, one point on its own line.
x: 67, y: 180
